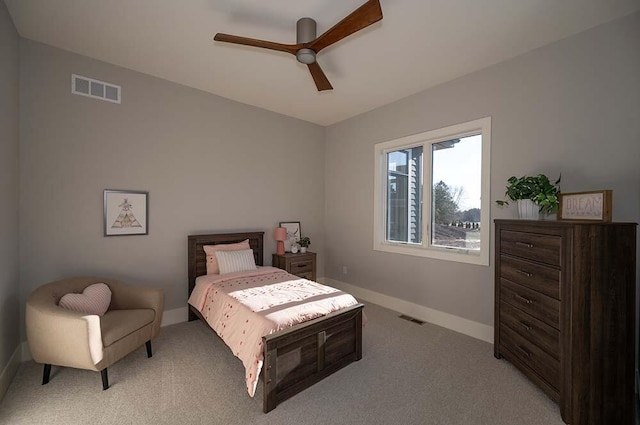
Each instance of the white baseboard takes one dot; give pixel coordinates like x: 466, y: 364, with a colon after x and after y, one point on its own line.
x: 10, y: 370
x: 440, y: 318
x: 177, y: 315
x: 25, y: 353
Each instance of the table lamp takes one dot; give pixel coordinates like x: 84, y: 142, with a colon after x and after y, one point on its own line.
x: 280, y: 235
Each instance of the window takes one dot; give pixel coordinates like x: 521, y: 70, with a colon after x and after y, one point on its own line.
x: 404, y: 195
x: 432, y: 194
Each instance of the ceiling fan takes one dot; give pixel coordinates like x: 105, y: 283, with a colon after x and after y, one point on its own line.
x: 308, y: 45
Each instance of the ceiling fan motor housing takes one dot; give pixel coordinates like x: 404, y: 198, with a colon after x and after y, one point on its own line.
x: 305, y: 32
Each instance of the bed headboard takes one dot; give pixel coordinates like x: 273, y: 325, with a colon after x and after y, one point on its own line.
x: 197, y: 260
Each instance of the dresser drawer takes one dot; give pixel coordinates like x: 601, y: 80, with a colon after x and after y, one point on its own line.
x: 542, y: 248
x: 305, y: 275
x: 301, y: 266
x: 532, y: 356
x: 532, y: 329
x: 534, y: 303
x: 532, y: 275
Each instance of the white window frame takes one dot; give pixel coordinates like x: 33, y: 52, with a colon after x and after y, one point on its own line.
x: 425, y: 249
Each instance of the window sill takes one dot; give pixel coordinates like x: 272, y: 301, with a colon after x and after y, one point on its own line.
x: 452, y: 254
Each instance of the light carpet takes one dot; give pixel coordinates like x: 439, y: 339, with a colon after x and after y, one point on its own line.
x: 409, y: 374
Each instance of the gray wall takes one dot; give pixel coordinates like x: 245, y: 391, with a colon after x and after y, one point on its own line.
x: 209, y: 164
x: 572, y: 107
x: 9, y: 305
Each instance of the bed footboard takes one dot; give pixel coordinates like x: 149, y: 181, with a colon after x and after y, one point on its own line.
x: 298, y: 357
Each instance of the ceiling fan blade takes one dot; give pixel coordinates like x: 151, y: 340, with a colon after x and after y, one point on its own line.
x: 362, y: 17
x: 246, y: 41
x: 321, y: 80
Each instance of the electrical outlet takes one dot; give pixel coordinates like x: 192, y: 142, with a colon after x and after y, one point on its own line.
x: 344, y: 270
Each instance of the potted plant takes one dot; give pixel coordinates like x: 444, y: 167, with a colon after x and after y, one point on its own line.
x: 304, y: 243
x: 538, y: 190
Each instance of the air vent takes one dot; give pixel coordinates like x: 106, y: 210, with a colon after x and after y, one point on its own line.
x: 411, y: 319
x: 85, y: 86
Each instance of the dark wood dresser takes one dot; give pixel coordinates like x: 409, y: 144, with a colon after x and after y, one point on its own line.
x: 565, y: 313
x: 303, y: 265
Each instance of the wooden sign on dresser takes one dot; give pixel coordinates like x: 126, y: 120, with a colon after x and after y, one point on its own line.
x: 565, y: 313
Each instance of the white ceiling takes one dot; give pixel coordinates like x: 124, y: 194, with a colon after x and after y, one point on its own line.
x: 418, y: 43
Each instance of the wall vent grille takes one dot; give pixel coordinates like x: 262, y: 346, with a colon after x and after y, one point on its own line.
x: 90, y: 87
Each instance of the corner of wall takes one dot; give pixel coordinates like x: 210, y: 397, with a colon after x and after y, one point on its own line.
x: 455, y: 323
x: 10, y: 371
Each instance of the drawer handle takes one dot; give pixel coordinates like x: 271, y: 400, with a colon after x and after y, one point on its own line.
x: 524, y: 272
x: 524, y: 350
x: 528, y: 245
x: 301, y: 265
x: 526, y: 326
x: 525, y: 299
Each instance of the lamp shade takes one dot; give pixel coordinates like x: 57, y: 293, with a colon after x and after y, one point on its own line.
x: 280, y: 234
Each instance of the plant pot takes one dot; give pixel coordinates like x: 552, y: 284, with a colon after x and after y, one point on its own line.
x: 528, y: 210
x: 303, y: 249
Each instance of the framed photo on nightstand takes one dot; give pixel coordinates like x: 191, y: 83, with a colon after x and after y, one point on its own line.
x: 293, y: 233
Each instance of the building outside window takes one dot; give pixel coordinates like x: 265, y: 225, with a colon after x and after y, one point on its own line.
x: 404, y: 195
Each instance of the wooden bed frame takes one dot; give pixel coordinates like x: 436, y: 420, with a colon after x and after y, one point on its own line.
x: 294, y: 358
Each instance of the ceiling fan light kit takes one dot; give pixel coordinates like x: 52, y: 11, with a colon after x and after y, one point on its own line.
x: 308, y: 45
x: 306, y: 56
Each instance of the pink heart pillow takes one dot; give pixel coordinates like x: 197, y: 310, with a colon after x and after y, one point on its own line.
x: 95, y: 299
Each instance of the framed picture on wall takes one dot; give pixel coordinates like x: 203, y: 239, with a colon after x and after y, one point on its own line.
x: 293, y: 233
x: 126, y: 212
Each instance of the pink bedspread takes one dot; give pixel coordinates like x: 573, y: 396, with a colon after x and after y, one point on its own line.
x: 242, y: 307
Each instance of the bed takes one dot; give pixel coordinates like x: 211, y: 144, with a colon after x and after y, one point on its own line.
x: 301, y: 355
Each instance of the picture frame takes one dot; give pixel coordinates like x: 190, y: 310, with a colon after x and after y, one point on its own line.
x: 126, y: 212
x: 595, y: 205
x: 294, y: 231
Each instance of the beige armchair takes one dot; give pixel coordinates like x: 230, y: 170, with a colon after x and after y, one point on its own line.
x: 62, y: 337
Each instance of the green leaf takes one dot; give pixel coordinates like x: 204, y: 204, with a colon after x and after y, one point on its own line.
x: 537, y: 188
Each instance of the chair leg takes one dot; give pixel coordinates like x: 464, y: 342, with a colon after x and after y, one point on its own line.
x: 149, y: 353
x: 105, y: 379
x: 46, y: 373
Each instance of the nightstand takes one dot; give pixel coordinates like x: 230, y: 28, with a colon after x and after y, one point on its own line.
x: 303, y: 265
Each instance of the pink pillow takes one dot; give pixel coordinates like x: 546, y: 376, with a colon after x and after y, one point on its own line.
x: 210, y: 250
x: 95, y: 299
